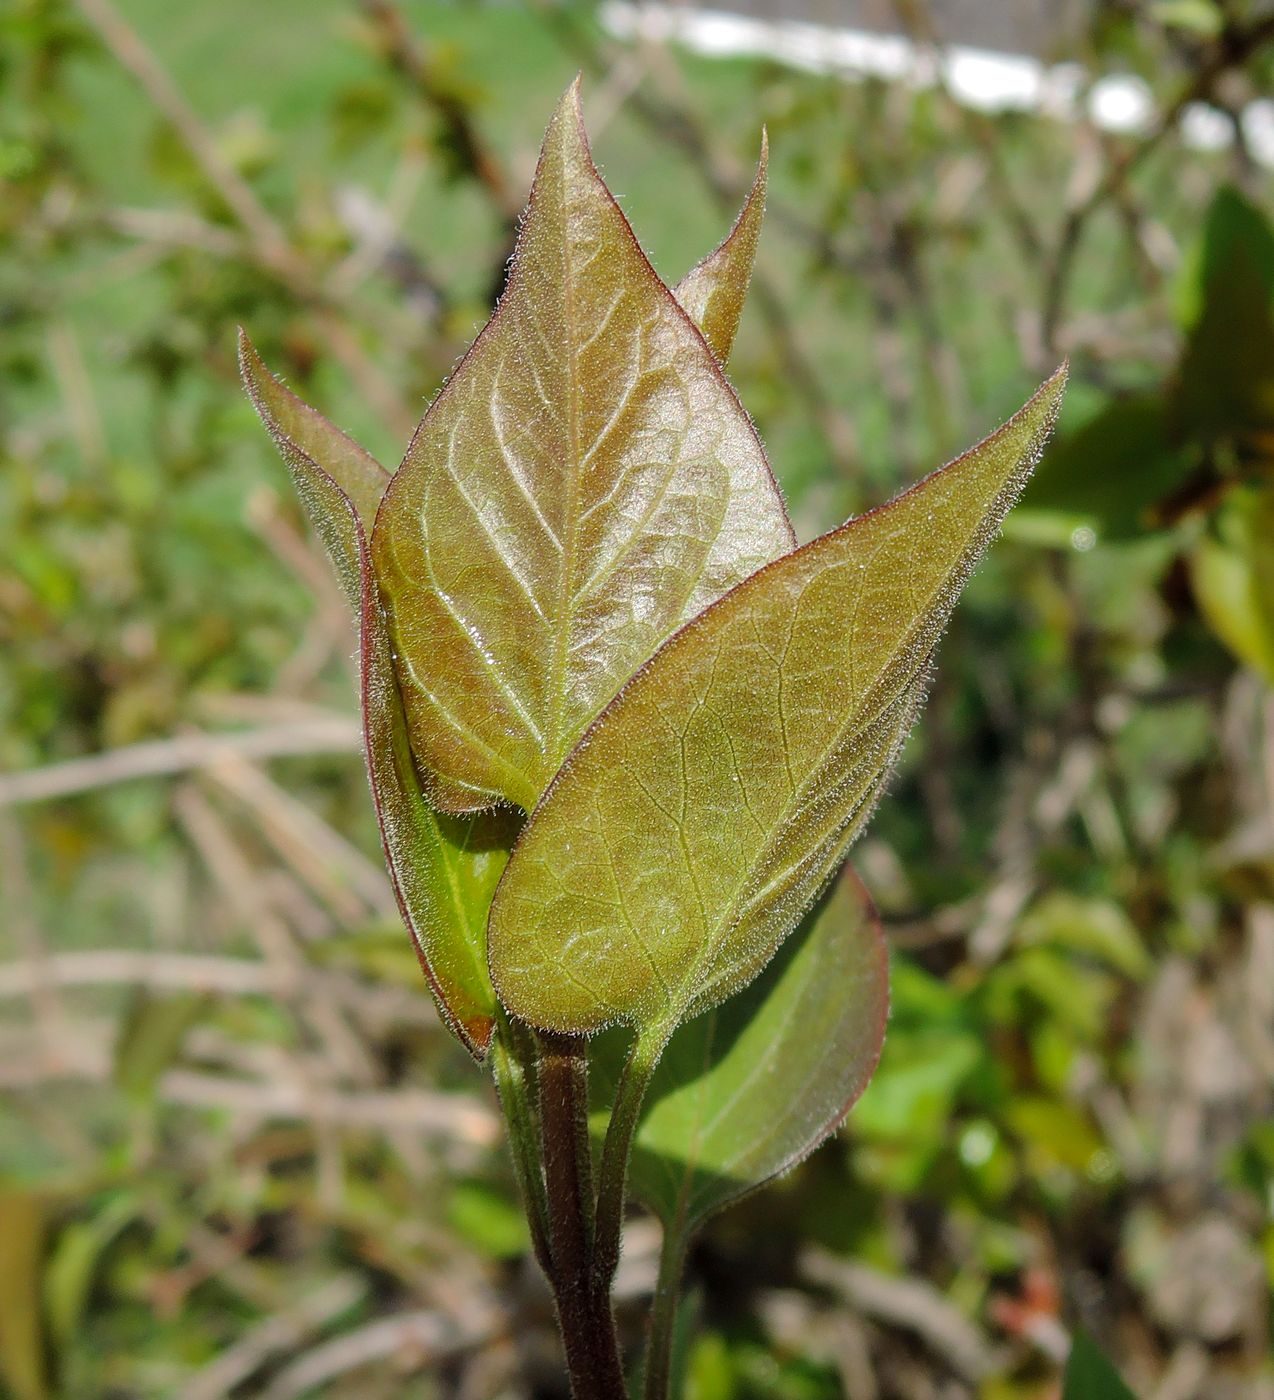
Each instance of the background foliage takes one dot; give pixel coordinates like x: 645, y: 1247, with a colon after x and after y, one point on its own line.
x: 237, y: 1156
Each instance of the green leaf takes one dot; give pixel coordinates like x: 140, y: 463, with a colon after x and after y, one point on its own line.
x: 1195, y: 16
x: 296, y: 427
x: 712, y: 293
x: 1097, y: 927
x: 443, y: 868
x: 750, y: 1088
x: 1090, y: 1374
x: 1232, y: 574
x: 586, y: 482
x: 1113, y: 472
x: 1233, y: 227
x: 76, y: 1259
x: 715, y: 797
x: 487, y: 1220
x: 23, y: 1227
x: 1225, y: 382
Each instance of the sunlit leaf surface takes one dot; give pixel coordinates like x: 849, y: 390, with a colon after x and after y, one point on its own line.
x: 712, y: 800
x: 443, y: 868
x: 585, y: 483
x: 754, y: 1085
x: 712, y: 293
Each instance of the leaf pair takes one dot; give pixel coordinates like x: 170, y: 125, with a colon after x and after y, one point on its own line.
x: 443, y: 868
x: 716, y: 796
x: 590, y: 481
x: 585, y: 535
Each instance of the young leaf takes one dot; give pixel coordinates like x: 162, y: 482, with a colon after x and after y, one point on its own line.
x: 296, y: 427
x: 585, y: 483
x: 1233, y: 228
x: 151, y: 1036
x: 713, y: 798
x: 443, y: 868
x: 751, y: 1087
x: 712, y: 293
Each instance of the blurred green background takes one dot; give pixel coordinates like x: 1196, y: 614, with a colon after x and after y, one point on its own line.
x: 238, y: 1157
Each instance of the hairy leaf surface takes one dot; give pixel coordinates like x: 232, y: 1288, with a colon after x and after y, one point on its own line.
x: 751, y: 1087
x: 585, y: 483
x: 712, y: 800
x: 444, y: 868
x: 712, y: 293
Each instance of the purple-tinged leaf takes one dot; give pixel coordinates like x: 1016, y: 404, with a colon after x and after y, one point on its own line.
x: 712, y: 293
x: 443, y: 868
x: 754, y: 1085
x: 585, y: 483
x: 713, y: 799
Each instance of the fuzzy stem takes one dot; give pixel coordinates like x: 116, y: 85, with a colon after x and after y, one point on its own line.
x: 513, y: 1067
x: 584, y: 1311
x: 617, y: 1148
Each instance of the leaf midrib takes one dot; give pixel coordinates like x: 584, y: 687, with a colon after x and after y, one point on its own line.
x: 737, y: 898
x: 566, y: 574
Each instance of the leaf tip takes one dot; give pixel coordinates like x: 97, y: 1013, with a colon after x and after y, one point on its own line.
x: 566, y: 138
x: 1048, y: 398
x: 256, y: 378
x: 249, y: 360
x: 570, y: 109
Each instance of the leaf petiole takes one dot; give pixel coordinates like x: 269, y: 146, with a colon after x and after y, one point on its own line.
x: 612, y: 1175
x: 513, y: 1067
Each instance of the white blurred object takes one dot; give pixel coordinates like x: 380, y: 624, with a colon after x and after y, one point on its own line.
x: 979, y: 78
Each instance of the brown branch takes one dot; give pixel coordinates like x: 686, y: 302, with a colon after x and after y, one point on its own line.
x: 409, y: 57
x: 1233, y: 47
x: 419, y: 1338
x: 283, y: 1332
x: 453, y: 1116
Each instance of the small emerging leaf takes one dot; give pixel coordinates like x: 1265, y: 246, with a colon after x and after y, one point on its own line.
x: 712, y: 293
x: 443, y: 868
x: 585, y: 483
x: 339, y: 484
x: 751, y: 1087
x: 713, y: 799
